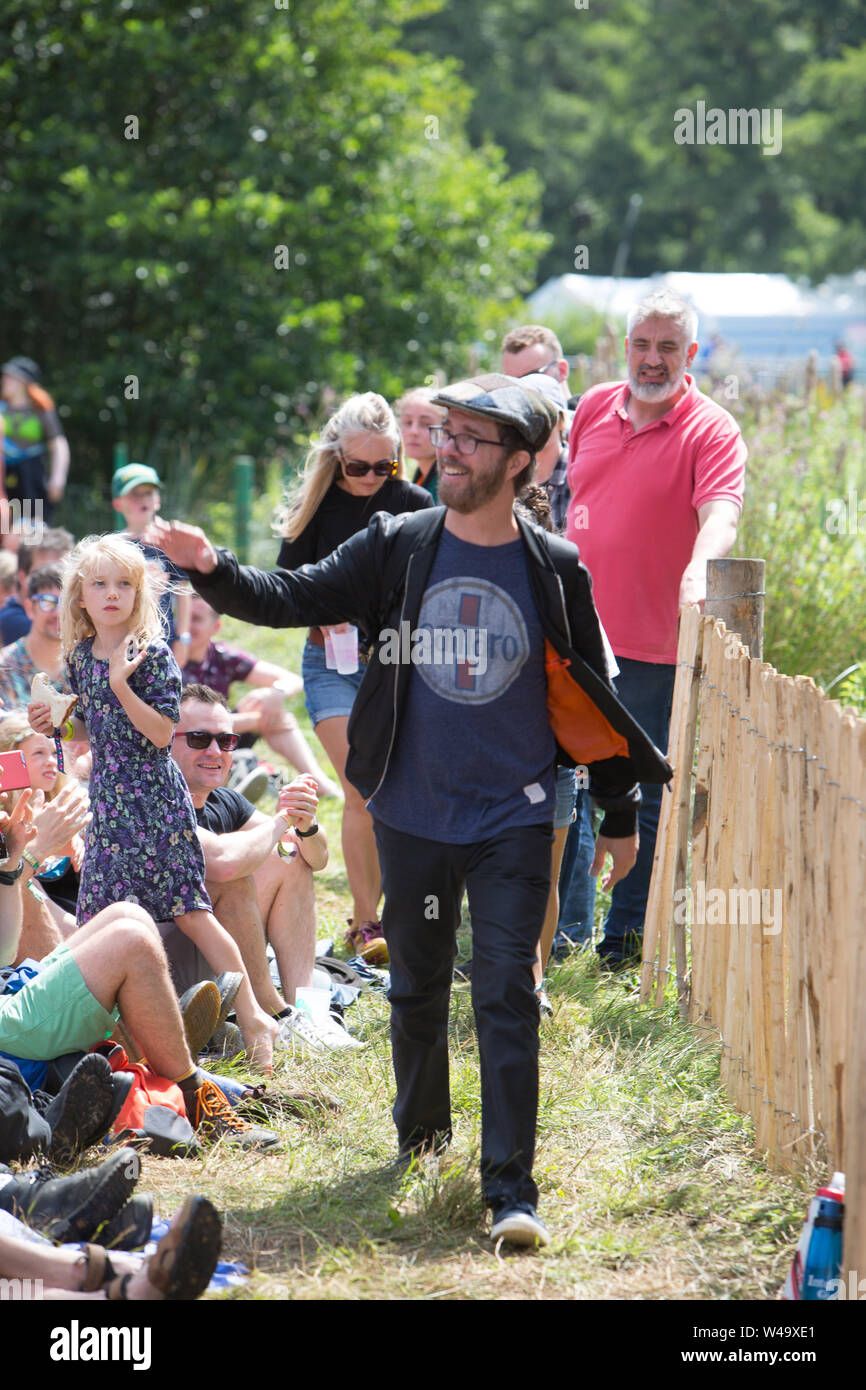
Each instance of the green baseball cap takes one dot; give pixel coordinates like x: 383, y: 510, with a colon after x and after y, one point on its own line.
x: 133, y: 475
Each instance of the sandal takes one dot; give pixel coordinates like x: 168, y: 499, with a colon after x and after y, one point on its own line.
x: 99, y: 1273
x: 180, y: 1268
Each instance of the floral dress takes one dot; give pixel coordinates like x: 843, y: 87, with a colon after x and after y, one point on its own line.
x: 141, y: 845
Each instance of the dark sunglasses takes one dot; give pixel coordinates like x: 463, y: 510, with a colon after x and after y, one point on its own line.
x: 46, y: 602
x: 199, y: 738
x: 386, y: 468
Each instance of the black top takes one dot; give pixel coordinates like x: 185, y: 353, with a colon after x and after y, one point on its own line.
x: 340, y: 515
x: 224, y: 811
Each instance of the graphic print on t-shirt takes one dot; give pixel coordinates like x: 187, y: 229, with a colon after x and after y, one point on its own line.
x: 471, y: 640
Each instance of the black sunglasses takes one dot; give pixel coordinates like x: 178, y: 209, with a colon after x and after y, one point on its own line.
x: 386, y: 468
x: 199, y: 738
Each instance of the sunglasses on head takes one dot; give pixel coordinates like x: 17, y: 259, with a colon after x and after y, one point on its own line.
x: 200, y: 738
x: 47, y: 602
x: 385, y: 468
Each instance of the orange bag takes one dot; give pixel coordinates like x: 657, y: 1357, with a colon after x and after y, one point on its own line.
x: 148, y: 1089
x: 578, y: 724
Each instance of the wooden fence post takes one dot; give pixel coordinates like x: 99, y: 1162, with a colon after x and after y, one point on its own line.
x: 735, y: 593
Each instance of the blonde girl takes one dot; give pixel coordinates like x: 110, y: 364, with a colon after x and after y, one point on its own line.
x: 142, y: 844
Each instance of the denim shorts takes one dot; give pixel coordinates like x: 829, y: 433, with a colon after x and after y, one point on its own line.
x: 563, y: 813
x: 327, y: 694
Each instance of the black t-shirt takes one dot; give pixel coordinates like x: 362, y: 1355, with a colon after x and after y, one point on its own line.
x: 224, y: 811
x: 340, y: 515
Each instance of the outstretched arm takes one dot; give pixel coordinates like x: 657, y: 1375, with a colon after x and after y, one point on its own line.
x: 342, y: 587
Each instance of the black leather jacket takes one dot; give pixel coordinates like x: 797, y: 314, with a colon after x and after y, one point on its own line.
x: 377, y: 580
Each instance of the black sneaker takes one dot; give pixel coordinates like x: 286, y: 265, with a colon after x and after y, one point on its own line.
x: 518, y: 1223
x: 73, y: 1208
x: 79, y: 1113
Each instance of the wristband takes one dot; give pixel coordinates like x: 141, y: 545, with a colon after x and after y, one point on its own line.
x: 305, y: 834
x: 30, y: 859
x: 184, y: 637
x: 68, y: 731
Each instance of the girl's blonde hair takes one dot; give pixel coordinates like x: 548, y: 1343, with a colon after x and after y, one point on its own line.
x: 364, y: 414
x: 15, y: 730
x: 146, y: 621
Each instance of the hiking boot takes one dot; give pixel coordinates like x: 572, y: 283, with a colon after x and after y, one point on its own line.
x: 367, y: 941
x: 73, y: 1208
x: 518, y: 1223
x: 210, y: 1113
x: 80, y: 1112
x: 199, y: 1009
x: 130, y: 1228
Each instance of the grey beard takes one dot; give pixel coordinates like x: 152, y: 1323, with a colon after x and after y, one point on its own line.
x: 651, y: 393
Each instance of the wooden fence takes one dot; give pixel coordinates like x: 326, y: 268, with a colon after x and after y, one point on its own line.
x: 757, y: 901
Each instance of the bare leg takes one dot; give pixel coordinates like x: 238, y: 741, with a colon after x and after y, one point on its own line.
x: 39, y: 931
x: 359, y: 842
x: 120, y: 956
x: 221, y: 953
x: 551, y: 916
x: 235, y: 905
x: 286, y: 898
x: 289, y: 743
x: 62, y: 1269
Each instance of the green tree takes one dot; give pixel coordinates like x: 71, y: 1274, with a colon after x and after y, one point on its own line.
x: 217, y: 216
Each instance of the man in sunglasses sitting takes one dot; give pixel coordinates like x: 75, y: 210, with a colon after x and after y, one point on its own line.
x: 40, y: 649
x: 259, y: 869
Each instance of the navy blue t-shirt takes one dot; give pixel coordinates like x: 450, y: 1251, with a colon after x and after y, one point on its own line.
x: 474, y: 753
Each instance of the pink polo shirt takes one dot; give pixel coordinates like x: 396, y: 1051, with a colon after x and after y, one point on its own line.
x: 634, y: 506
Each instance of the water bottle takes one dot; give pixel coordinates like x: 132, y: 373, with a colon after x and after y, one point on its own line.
x: 824, y: 1256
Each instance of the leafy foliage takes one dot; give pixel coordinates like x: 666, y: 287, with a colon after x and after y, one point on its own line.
x: 248, y: 209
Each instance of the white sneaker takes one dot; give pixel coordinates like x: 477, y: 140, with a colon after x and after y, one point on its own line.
x: 299, y: 1030
x: 336, y: 1033
x: 518, y: 1224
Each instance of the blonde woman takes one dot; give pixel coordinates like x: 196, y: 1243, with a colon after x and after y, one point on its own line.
x: 354, y: 470
x: 142, y: 845
x: 416, y: 413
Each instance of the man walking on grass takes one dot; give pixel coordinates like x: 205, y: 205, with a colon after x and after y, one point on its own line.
x: 471, y: 611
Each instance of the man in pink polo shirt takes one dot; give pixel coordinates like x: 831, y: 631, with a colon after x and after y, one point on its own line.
x: 656, y: 472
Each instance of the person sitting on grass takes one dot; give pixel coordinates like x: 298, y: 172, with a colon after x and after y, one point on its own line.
x: 258, y: 871
x: 261, y: 713
x: 114, y: 965
x: 180, y: 1269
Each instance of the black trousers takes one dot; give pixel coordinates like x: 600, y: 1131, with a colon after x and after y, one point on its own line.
x: 507, y: 880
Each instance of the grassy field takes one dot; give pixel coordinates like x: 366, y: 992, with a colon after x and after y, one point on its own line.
x: 648, y: 1179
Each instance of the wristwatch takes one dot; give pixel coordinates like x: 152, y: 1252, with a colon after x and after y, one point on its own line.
x: 10, y: 876
x: 305, y: 834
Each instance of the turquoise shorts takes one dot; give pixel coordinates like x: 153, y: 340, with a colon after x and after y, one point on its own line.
x: 54, y: 1013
